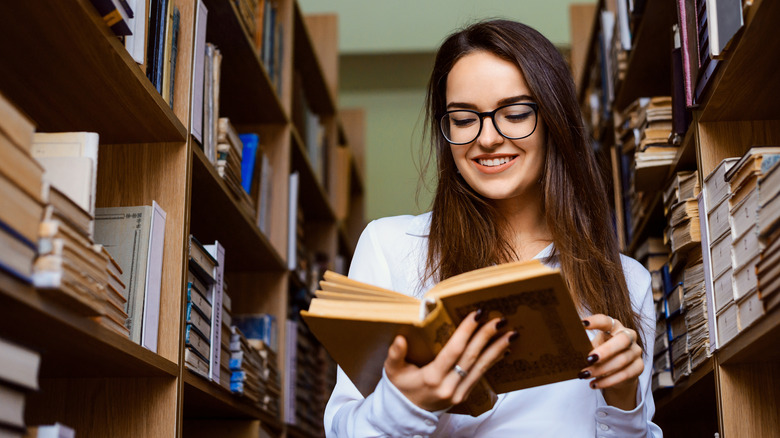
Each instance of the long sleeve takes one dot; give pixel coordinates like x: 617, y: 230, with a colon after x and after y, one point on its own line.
x: 614, y: 422
x: 385, y: 412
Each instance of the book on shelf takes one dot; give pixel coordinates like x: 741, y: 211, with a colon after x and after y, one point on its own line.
x: 686, y: 19
x: 20, y: 168
x: 212, y: 73
x: 15, y: 126
x: 18, y: 376
x: 70, y: 161
x: 171, y: 55
x: 136, y: 43
x: 116, y: 14
x: 203, y: 264
x: 264, y: 193
x: 198, y: 73
x: 292, y: 224
x: 707, y: 64
x: 533, y: 298
x: 217, y: 252
x: 261, y: 327
x: 725, y: 21
x: 56, y: 430
x: 63, y: 208
x: 135, y: 238
x: 681, y: 116
x: 251, y: 143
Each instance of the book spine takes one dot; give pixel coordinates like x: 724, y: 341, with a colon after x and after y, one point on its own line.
x: 153, y: 289
x: 217, y: 251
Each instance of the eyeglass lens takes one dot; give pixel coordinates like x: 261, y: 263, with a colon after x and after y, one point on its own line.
x: 512, y: 121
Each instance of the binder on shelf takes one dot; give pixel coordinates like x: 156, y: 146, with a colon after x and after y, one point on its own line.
x: 198, y: 72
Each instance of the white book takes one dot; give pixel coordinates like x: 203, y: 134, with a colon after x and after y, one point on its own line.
x: 198, y: 72
x: 136, y: 43
x: 292, y: 224
x: 70, y: 162
x: 218, y: 252
x: 724, y: 18
x: 56, y: 430
x: 134, y: 236
x: 18, y: 365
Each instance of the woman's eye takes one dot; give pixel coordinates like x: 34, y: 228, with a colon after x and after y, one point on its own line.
x: 517, y: 117
x: 462, y: 122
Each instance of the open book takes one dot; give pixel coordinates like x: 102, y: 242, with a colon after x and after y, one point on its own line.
x: 357, y: 322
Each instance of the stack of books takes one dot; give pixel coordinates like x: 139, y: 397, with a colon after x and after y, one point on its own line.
x: 247, y: 369
x: 768, y: 221
x: 21, y: 204
x: 685, y: 299
x: 743, y: 217
x: 261, y: 334
x: 654, y: 150
x: 18, y: 376
x: 116, y: 288
x: 213, y: 72
x: 200, y: 289
x: 310, y: 383
x: 229, y: 164
x: 716, y: 192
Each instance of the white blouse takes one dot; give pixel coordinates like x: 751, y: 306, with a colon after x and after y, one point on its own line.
x: 391, y: 254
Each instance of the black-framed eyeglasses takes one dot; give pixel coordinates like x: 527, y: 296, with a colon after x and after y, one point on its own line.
x: 513, y: 121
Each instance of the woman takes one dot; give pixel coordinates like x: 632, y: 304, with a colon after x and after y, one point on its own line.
x: 516, y: 180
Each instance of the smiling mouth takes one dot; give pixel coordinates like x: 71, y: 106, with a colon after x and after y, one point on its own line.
x: 494, y: 162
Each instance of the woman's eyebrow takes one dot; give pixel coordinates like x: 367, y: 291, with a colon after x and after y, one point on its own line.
x: 504, y: 101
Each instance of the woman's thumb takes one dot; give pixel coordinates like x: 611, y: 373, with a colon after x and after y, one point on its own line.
x: 396, y: 354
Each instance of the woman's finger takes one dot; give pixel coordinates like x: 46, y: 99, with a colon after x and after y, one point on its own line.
x: 448, y: 356
x: 632, y: 371
x: 475, y: 348
x: 602, y: 322
x: 396, y: 355
x: 494, y: 352
x: 607, y: 366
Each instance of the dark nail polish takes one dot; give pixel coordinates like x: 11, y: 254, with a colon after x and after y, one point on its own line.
x: 593, y: 385
x: 478, y: 315
x: 513, y: 337
x: 583, y: 374
x: 501, y: 324
x: 507, y: 352
x: 585, y: 322
x: 593, y: 358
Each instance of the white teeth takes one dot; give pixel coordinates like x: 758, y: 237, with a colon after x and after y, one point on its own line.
x: 494, y: 162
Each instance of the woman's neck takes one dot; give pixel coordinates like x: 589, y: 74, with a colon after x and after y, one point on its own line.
x: 527, y: 225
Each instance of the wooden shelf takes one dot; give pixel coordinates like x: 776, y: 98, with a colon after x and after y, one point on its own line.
x: 312, y: 197
x: 71, y: 345
x: 246, y: 93
x: 206, y: 399
x: 216, y: 215
x: 757, y: 343
x: 679, y: 396
x: 305, y: 62
x: 68, y: 71
x: 744, y: 88
x: 649, y: 70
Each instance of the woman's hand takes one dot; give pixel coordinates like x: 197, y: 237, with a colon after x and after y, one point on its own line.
x: 449, y: 378
x: 616, y: 361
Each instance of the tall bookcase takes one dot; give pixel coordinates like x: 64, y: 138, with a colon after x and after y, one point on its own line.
x: 737, y: 391
x: 66, y: 70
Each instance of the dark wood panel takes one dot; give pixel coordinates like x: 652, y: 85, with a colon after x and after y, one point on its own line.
x: 63, y: 66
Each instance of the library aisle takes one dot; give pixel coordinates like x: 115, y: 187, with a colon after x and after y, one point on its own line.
x: 176, y: 177
x: 680, y: 99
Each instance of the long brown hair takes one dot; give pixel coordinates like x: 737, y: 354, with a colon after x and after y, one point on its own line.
x: 468, y: 233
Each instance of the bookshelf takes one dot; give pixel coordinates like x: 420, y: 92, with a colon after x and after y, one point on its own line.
x: 93, y: 379
x: 736, y: 391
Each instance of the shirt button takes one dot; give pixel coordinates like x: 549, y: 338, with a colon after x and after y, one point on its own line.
x: 429, y: 422
x: 603, y: 427
x: 601, y: 414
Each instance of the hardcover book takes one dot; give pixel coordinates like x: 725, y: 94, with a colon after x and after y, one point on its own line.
x: 357, y: 322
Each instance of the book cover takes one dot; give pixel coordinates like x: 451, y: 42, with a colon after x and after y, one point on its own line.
x: 70, y: 161
x: 114, y: 15
x: 725, y: 18
x: 292, y: 225
x: 20, y: 211
x: 250, y: 143
x: 136, y: 43
x: 19, y: 365
x: 15, y: 125
x: 533, y: 298
x: 217, y: 251
x: 198, y: 73
x: 134, y: 237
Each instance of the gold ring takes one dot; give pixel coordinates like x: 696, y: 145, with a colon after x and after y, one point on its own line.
x: 460, y: 371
